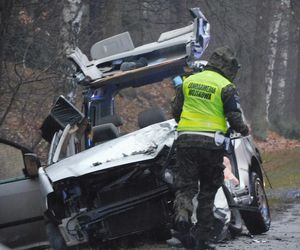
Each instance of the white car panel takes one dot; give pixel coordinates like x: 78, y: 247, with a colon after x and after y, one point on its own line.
x: 140, y: 145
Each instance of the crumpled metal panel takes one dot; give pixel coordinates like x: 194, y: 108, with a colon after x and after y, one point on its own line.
x: 141, y: 145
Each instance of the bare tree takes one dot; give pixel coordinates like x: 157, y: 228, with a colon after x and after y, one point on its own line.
x: 5, y: 11
x: 33, y: 72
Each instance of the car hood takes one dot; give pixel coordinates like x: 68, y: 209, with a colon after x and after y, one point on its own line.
x: 141, y: 145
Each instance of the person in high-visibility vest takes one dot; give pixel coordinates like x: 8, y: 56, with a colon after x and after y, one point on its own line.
x: 203, y: 106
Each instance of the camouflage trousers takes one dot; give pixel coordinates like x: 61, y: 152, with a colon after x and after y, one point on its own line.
x: 198, y: 173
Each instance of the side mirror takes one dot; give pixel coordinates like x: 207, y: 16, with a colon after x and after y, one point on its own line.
x: 32, y: 164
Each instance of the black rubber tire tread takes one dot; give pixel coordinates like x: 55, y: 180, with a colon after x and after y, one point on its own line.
x: 254, y: 221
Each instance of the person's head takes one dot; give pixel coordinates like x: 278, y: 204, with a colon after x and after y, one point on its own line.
x: 225, y: 61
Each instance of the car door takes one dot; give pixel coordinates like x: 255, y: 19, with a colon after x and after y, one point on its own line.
x: 21, y: 218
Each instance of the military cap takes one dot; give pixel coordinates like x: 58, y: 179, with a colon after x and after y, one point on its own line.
x: 224, y: 59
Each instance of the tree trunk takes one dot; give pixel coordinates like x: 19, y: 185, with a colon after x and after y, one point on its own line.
x: 285, y: 82
x: 258, y: 88
x: 72, y: 13
x: 275, y: 24
x: 5, y: 11
x: 291, y: 118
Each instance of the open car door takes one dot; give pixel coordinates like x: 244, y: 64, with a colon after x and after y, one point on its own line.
x: 21, y: 217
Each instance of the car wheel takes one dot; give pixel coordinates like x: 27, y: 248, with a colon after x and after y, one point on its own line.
x: 259, y: 221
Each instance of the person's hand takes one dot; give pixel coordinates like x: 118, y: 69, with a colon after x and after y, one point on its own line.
x: 246, y: 131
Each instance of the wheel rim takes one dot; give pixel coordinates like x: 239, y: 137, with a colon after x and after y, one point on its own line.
x: 262, y: 202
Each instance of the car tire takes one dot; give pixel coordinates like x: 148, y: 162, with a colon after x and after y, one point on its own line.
x: 259, y: 221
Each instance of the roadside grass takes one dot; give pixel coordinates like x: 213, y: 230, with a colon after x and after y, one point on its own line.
x: 283, y: 170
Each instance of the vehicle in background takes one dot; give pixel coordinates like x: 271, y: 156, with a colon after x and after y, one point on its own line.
x: 21, y: 217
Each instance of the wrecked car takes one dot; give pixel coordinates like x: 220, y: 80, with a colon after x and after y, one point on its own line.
x: 102, y: 184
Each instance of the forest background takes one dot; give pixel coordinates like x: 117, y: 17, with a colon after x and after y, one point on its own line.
x: 36, y: 34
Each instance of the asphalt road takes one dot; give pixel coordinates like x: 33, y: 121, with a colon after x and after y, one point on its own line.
x: 284, y: 233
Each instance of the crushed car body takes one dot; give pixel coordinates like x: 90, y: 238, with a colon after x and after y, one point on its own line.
x: 100, y: 184
x: 122, y: 180
x: 111, y: 181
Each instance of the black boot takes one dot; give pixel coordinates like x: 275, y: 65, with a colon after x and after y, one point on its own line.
x: 182, y: 225
x: 186, y: 241
x: 183, y: 233
x: 204, y: 245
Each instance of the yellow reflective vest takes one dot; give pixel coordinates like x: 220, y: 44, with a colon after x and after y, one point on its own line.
x: 203, y: 106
